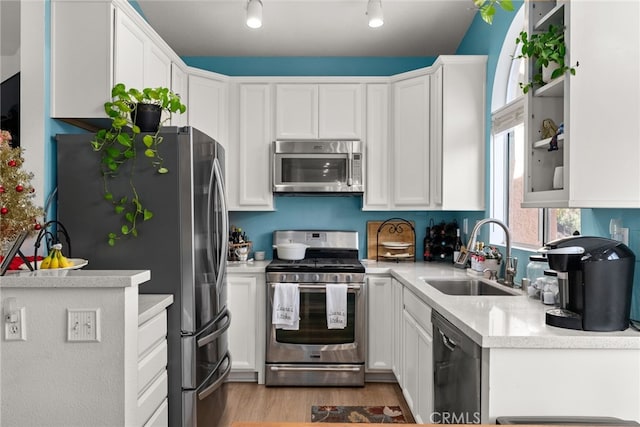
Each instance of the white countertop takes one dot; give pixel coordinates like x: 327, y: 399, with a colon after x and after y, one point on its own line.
x: 75, y: 278
x: 498, y: 321
x: 491, y: 321
x: 149, y: 305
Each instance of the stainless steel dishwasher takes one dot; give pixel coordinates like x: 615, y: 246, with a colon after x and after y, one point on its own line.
x: 456, y: 374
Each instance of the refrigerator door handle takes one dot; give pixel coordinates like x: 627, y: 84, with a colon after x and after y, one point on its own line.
x: 216, y: 384
x: 215, y: 334
x: 216, y: 176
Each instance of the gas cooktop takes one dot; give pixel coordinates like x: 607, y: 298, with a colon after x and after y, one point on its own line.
x: 328, y: 265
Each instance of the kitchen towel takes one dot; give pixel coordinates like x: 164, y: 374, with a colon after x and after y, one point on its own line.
x: 286, y: 306
x: 336, y: 306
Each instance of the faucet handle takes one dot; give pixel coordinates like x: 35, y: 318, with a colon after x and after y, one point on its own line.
x: 512, y: 263
x: 493, y: 274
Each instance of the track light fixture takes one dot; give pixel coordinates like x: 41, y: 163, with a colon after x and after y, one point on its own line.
x: 374, y: 11
x: 254, y: 14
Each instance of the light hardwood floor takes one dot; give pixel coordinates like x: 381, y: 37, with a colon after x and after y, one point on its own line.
x: 253, y: 402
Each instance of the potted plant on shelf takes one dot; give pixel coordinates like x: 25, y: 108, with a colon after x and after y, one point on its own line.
x: 132, y: 113
x: 548, y: 50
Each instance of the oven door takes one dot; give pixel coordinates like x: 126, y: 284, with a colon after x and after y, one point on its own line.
x: 313, y: 342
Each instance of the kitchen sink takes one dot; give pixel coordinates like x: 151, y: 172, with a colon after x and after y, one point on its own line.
x: 470, y: 287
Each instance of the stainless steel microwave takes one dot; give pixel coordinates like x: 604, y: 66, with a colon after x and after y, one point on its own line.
x: 318, y: 166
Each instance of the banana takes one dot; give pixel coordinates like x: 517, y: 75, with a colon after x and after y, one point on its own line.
x: 54, y: 259
x: 45, y: 264
x: 63, y: 262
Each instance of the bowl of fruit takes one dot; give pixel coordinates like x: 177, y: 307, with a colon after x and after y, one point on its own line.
x: 55, y: 260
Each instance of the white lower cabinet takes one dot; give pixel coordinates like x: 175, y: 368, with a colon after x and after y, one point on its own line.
x: 152, y: 372
x: 246, y: 302
x: 397, y: 321
x: 417, y: 371
x: 380, y: 321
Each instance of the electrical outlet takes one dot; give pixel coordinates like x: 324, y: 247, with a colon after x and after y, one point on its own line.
x: 15, y: 325
x: 83, y: 325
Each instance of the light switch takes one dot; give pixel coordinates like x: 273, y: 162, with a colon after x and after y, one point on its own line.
x: 83, y: 325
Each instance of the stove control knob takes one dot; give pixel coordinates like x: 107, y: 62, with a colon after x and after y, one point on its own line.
x: 349, y: 278
x: 336, y: 278
x: 315, y: 278
x: 296, y: 278
x: 283, y: 278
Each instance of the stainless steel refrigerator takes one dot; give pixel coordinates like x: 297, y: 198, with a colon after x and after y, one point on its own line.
x: 184, y: 245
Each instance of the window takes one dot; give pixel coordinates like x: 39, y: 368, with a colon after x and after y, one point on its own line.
x: 530, y: 227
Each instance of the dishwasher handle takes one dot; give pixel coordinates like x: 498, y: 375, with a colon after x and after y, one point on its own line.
x: 448, y: 342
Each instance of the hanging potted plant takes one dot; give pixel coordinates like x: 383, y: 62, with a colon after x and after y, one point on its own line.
x: 487, y: 8
x: 548, y: 50
x: 132, y: 113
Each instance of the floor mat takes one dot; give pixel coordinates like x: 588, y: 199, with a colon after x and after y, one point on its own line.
x: 357, y: 414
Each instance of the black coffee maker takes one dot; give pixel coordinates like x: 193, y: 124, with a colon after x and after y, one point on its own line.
x: 595, y: 280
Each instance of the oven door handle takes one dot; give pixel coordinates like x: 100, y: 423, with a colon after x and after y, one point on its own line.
x: 349, y: 287
x: 316, y: 368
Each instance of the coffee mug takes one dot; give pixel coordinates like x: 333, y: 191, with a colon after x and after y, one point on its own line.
x: 242, y: 253
x: 259, y: 255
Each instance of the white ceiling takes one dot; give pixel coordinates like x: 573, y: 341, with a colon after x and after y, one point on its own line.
x: 310, y: 27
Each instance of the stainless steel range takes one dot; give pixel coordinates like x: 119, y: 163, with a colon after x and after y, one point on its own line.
x: 313, y: 354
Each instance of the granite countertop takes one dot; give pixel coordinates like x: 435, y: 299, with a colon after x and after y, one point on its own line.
x: 491, y: 321
x: 75, y: 279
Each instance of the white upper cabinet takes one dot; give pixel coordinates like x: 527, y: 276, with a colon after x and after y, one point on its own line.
x: 249, y: 183
x: 208, y: 105
x: 410, y: 150
x: 458, y: 87
x: 95, y: 45
x: 604, y: 104
x: 599, y: 107
x: 180, y: 86
x: 376, y: 194
x: 311, y: 111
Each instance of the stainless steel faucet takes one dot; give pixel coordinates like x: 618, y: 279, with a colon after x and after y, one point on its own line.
x: 511, y: 263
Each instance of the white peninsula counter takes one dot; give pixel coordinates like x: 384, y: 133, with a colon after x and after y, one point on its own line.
x: 116, y: 378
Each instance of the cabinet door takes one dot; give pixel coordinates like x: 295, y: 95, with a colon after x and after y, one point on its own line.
x: 436, y: 136
x: 410, y: 361
x: 296, y: 111
x: 81, y: 62
x: 425, y: 376
x: 180, y: 86
x: 340, y: 111
x: 410, y: 150
x: 380, y: 323
x: 253, y: 182
x: 396, y: 355
x: 241, y: 299
x: 157, y: 67
x: 129, y: 52
x: 604, y: 139
x: 376, y: 196
x: 462, y: 132
x: 208, y: 106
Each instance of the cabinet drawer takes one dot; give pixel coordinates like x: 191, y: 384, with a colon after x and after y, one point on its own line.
x: 152, y: 398
x: 152, y: 331
x: 418, y: 309
x: 154, y: 362
x: 160, y: 418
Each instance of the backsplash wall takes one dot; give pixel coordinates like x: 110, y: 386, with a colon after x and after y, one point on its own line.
x: 332, y: 213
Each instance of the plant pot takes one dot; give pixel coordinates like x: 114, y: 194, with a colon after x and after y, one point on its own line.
x: 147, y: 117
x: 548, y: 70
